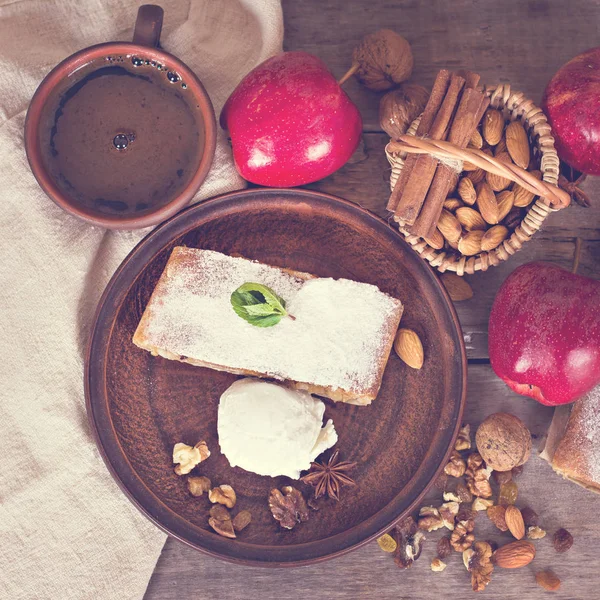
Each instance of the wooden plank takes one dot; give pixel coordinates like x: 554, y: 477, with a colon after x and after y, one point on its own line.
x: 370, y: 574
x: 365, y: 180
x: 522, y: 43
x: 518, y: 42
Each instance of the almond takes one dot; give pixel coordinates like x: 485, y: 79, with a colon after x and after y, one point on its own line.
x: 513, y: 218
x: 476, y: 140
x: 452, y: 204
x: 487, y: 204
x: 497, y: 182
x: 506, y: 200
x: 514, y: 521
x: 500, y: 147
x: 514, y: 555
x: 436, y: 240
x: 517, y: 143
x: 476, y: 176
x: 466, y: 190
x: 458, y: 289
x: 493, y: 126
x: 449, y: 226
x: 467, y: 166
x: 470, y: 243
x: 470, y: 219
x: 409, y: 348
x: 493, y: 237
x: 524, y: 197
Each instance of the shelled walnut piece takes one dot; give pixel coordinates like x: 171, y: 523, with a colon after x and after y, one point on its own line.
x: 224, y: 494
x: 477, y: 560
x: 478, y: 476
x: 187, y: 457
x: 409, y: 543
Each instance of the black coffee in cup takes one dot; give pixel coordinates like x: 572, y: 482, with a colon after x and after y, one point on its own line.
x: 122, y: 135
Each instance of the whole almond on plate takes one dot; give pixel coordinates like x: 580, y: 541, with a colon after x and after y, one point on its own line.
x: 517, y: 143
x: 505, y: 200
x: 458, y: 289
x: 466, y: 190
x: 470, y: 243
x: 452, y: 204
x: 514, y: 555
x: 493, y: 126
x: 487, y: 203
x: 493, y: 237
x: 497, y: 182
x: 409, y: 348
x: 436, y: 240
x: 449, y: 226
x: 514, y: 521
x: 470, y: 219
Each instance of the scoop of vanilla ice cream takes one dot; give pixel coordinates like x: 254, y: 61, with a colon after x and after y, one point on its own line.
x: 272, y: 430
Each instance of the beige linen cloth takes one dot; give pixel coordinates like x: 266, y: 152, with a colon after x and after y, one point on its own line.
x: 66, y: 530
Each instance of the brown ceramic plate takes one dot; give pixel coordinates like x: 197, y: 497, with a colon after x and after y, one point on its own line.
x: 140, y: 405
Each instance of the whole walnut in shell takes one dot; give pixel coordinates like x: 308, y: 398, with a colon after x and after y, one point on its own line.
x: 382, y: 60
x: 399, y: 108
x: 503, y: 441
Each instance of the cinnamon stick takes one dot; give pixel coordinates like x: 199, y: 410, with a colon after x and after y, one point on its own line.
x: 438, y: 92
x: 471, y: 79
x: 414, y: 193
x: 470, y: 111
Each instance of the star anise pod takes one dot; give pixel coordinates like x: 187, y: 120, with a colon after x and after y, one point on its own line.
x: 328, y: 477
x: 570, y: 180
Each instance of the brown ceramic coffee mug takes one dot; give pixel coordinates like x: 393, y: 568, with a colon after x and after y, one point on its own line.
x: 121, y: 134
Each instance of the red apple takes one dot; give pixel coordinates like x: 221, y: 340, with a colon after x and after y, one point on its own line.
x: 544, y: 333
x: 290, y: 122
x: 572, y: 104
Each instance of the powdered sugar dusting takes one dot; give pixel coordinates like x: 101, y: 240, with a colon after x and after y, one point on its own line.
x: 589, y: 419
x: 336, y: 339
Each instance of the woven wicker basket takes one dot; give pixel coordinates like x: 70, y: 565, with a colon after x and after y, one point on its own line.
x: 515, y: 106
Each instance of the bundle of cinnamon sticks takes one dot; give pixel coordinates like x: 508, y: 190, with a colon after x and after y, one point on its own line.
x: 452, y: 113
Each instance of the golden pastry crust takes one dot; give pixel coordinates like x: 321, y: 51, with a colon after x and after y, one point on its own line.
x: 182, y: 257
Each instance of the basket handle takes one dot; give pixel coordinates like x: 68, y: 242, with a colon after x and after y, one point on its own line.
x: 552, y: 194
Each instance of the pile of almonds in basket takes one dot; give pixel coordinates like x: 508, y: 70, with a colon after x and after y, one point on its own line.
x: 469, y: 483
x: 485, y: 208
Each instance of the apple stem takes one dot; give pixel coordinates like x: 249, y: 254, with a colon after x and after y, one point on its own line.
x: 576, y: 255
x: 349, y: 73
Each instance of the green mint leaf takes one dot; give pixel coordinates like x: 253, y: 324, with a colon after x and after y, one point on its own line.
x: 259, y: 310
x: 258, y: 304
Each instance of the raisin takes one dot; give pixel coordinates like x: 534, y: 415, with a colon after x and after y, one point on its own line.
x: 563, y: 540
x: 508, y: 493
x: 530, y: 517
x: 444, y: 548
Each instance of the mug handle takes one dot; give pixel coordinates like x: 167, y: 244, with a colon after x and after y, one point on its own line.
x: 148, y: 25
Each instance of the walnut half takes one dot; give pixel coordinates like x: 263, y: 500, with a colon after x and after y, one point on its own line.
x: 224, y: 494
x: 477, y: 560
x: 462, y: 537
x: 409, y: 542
x: 187, y: 457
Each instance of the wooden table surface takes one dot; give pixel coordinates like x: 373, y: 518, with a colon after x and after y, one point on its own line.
x: 518, y: 41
